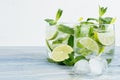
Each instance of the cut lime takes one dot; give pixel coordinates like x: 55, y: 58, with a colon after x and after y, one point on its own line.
x: 52, y: 36
x: 106, y: 38
x: 61, y: 52
x: 90, y: 44
x: 79, y: 45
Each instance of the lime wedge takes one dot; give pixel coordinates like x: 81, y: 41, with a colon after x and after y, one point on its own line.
x: 61, y: 53
x: 52, y: 36
x: 90, y: 44
x: 106, y: 38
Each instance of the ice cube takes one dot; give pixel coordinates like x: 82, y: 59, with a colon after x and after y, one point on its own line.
x: 81, y: 67
x: 97, y: 65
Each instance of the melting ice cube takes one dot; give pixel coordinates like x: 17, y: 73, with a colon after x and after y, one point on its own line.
x: 98, y: 65
x: 81, y: 67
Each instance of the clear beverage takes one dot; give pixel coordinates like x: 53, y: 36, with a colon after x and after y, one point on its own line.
x: 60, y: 34
x: 95, y: 40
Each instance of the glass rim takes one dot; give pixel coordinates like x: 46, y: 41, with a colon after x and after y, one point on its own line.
x: 80, y: 23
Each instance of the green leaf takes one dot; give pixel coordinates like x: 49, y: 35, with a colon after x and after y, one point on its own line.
x: 109, y: 61
x: 106, y: 20
x: 60, y: 40
x: 68, y: 63
x: 53, y: 36
x: 93, y: 19
x: 70, y: 60
x: 71, y: 41
x: 84, y: 30
x: 91, y: 31
x: 79, y: 58
x: 65, y: 29
x: 102, y: 11
x: 58, y: 15
x: 48, y: 45
x: 71, y: 56
x: 50, y: 60
x: 51, y: 21
x: 77, y: 31
x: 102, y: 48
x: 86, y: 22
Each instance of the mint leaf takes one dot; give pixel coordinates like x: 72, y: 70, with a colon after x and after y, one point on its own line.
x: 48, y: 45
x: 84, y: 29
x: 50, y: 60
x: 58, y: 15
x: 79, y: 58
x: 60, y: 40
x: 91, y: 32
x: 51, y: 21
x: 102, y: 11
x: 53, y: 36
x: 86, y: 22
x: 77, y: 31
x: 65, y: 29
x: 93, y: 19
x: 109, y: 61
x: 70, y: 60
x: 106, y: 20
x: 71, y: 41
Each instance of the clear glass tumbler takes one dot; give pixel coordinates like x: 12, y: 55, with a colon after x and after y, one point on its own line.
x: 96, y: 42
x: 59, y: 34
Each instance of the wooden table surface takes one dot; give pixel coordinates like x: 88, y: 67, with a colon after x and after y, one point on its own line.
x: 29, y: 63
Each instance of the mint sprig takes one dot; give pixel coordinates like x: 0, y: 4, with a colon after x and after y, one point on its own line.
x: 51, y: 21
x: 58, y: 15
x: 102, y: 11
x: 54, y: 21
x: 71, y: 41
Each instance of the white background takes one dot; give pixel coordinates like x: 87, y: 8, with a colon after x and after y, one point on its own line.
x: 22, y: 21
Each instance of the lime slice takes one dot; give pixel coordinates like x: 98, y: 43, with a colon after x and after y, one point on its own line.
x: 90, y: 44
x: 79, y: 45
x: 52, y: 36
x: 106, y: 38
x: 61, y: 52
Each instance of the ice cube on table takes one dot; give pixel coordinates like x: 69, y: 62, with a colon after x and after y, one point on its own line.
x: 81, y: 67
x: 98, y: 65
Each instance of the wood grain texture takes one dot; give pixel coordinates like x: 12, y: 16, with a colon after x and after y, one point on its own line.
x: 29, y: 63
